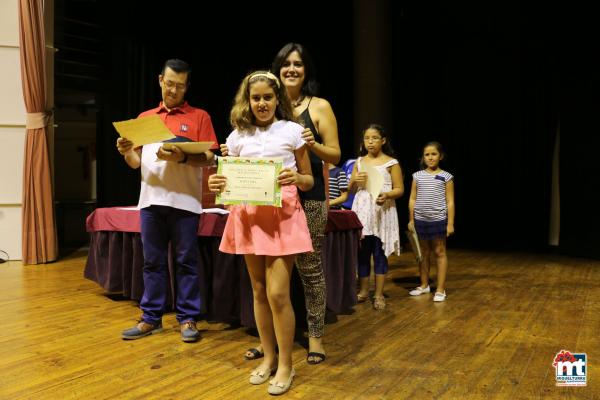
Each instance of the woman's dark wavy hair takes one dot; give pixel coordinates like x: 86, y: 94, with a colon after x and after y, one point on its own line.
x: 310, y: 87
x: 386, y: 148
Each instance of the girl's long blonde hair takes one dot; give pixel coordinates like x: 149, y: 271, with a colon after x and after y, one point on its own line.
x: 241, y: 117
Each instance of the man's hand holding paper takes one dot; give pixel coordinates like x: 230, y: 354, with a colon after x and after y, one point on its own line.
x: 124, y: 145
x: 174, y: 154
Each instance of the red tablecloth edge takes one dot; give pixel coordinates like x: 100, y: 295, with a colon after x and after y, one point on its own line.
x: 117, y: 219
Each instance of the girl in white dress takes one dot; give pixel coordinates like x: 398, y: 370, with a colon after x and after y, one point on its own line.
x: 380, y: 234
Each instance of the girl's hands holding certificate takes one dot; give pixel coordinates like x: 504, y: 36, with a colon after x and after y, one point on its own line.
x: 224, y: 150
x: 216, y: 183
x: 288, y: 176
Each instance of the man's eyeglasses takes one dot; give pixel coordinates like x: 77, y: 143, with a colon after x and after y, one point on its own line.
x: 172, y: 85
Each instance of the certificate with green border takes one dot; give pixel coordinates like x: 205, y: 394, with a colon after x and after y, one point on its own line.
x: 250, y: 181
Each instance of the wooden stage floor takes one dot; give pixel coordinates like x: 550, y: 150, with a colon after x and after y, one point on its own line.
x: 506, y: 316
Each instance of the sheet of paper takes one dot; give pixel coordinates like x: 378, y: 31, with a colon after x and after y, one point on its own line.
x: 144, y: 130
x: 214, y: 211
x: 250, y: 181
x: 189, y: 147
x: 374, y: 181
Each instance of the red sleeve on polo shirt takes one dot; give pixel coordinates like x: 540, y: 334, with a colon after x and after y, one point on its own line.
x: 206, y: 130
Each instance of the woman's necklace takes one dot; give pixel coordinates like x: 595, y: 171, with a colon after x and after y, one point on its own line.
x: 298, y: 102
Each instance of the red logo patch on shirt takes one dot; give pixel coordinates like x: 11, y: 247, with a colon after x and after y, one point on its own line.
x: 183, y: 128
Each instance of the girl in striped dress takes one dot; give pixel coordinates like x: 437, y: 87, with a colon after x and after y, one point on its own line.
x: 431, y: 215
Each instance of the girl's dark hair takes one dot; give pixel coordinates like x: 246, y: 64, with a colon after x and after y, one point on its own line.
x: 310, y: 87
x: 438, y: 147
x: 386, y: 148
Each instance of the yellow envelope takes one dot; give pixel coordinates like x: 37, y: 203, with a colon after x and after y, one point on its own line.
x: 189, y: 147
x: 144, y: 130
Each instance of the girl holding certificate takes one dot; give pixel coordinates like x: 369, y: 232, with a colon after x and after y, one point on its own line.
x: 377, y: 212
x: 269, y: 237
x: 294, y: 67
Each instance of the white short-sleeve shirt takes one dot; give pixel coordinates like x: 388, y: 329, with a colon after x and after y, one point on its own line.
x: 280, y: 139
x: 167, y: 183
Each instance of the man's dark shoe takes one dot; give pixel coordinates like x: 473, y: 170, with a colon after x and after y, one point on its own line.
x: 140, y: 330
x: 189, y: 332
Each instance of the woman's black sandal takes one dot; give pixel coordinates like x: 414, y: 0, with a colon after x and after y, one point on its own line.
x: 317, y: 358
x: 256, y: 354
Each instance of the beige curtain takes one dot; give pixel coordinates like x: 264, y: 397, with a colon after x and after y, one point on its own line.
x: 39, y: 229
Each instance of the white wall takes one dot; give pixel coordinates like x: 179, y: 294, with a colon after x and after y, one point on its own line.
x: 12, y: 131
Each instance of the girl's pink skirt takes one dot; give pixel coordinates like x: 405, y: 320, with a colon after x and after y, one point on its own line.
x: 267, y: 230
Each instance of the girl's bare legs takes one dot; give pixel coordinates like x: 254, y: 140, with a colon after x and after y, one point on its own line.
x: 425, y: 263
x: 379, y: 282
x: 378, y: 299
x: 262, y: 310
x: 278, y: 276
x: 439, y: 248
x: 364, y: 287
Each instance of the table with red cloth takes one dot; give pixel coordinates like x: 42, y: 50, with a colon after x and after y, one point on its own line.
x: 115, y: 261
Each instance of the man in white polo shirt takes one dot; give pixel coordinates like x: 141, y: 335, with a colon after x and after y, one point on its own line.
x: 170, y: 205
